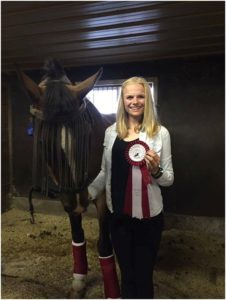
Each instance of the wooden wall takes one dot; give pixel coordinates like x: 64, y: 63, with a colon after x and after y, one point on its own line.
x: 191, y: 105
x: 6, y: 145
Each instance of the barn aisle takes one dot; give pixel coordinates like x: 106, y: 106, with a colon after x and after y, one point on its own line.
x: 37, y: 262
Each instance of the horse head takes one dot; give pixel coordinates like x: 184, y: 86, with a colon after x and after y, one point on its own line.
x: 62, y: 131
x: 55, y: 96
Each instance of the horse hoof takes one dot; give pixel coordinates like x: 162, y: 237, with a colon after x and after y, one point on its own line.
x: 78, y: 289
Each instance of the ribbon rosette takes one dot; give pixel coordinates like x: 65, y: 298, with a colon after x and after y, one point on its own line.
x: 136, y: 199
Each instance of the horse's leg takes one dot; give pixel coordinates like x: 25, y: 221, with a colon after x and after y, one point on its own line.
x: 106, y: 257
x: 80, y: 264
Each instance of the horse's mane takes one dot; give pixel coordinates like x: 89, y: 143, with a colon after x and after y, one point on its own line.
x: 58, y: 103
x: 53, y: 69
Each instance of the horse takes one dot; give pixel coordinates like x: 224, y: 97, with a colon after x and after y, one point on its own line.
x: 67, y: 148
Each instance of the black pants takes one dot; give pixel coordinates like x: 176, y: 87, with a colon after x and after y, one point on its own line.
x: 136, y: 243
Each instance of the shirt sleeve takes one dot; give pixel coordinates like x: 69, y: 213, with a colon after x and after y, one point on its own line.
x: 167, y: 177
x: 98, y: 184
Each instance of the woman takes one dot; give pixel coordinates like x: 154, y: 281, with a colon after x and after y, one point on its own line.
x: 136, y: 161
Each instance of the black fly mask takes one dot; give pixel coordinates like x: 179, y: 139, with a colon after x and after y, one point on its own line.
x: 62, y: 132
x: 61, y: 149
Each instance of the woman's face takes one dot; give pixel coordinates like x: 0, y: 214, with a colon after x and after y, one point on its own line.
x: 134, y: 100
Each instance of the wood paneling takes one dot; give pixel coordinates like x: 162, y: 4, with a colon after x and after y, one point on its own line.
x: 6, y: 146
x: 101, y: 32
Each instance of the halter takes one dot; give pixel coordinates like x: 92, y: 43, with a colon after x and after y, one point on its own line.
x: 37, y: 113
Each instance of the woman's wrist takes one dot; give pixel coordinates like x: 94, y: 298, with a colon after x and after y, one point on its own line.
x: 154, y: 171
x: 158, y: 173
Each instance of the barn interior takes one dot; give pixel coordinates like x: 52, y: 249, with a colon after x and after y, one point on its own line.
x: 182, y: 45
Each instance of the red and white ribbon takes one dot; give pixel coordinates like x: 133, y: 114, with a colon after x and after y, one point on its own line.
x: 136, y: 198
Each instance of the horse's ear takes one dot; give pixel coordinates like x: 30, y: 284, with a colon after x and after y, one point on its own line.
x: 29, y: 84
x: 84, y: 87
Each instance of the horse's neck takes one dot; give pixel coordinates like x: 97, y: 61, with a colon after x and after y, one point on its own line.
x: 100, y: 123
x: 105, y: 120
x: 108, y: 119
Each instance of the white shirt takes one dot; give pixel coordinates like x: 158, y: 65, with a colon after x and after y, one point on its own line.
x: 161, y: 144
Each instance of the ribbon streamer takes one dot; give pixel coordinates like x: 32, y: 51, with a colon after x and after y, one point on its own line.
x: 136, y: 197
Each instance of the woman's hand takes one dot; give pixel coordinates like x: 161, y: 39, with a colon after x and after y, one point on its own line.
x: 152, y: 160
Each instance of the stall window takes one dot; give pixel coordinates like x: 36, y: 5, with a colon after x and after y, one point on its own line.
x: 105, y: 94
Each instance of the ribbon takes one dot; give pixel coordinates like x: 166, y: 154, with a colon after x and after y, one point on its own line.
x: 136, y: 197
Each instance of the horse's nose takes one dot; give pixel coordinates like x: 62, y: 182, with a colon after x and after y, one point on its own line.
x: 82, y: 202
x: 75, y: 203
x: 79, y: 210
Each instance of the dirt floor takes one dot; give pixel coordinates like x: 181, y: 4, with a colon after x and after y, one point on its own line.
x: 37, y: 260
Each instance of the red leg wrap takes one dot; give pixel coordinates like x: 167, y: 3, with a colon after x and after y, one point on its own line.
x: 80, y: 259
x: 111, y: 284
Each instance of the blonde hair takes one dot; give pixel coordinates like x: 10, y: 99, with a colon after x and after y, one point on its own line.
x: 149, y: 122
